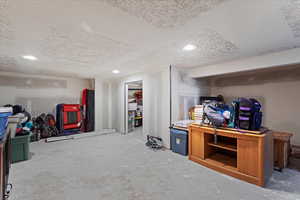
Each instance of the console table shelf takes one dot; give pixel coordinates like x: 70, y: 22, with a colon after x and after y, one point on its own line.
x: 245, y: 156
x: 223, y: 145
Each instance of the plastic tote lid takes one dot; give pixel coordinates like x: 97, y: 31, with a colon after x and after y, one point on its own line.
x: 6, y: 110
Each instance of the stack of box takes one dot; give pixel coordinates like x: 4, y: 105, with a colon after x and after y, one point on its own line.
x: 198, y: 113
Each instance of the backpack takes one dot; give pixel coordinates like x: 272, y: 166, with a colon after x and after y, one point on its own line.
x: 213, y: 115
x: 256, y: 118
x: 245, y: 113
x: 47, y: 125
x: 249, y: 114
x: 234, y: 114
x: 51, y: 125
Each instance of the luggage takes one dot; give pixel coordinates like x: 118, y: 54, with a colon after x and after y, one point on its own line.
x: 88, y: 110
x: 68, y: 118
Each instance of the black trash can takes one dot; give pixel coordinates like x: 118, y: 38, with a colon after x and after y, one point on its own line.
x: 179, y: 141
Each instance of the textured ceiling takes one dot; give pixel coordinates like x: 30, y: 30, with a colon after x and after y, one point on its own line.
x: 88, y: 38
x: 211, y: 46
x: 82, y: 48
x: 6, y: 34
x: 165, y: 13
x: 291, y: 10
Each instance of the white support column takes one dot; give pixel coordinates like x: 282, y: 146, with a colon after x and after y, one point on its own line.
x: 99, y: 92
x: 110, y: 106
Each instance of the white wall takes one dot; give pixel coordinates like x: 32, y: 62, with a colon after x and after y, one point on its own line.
x: 156, y: 97
x: 156, y: 100
x: 280, y: 102
x: 157, y: 105
x: 186, y: 92
x: 101, y: 107
x: 39, y: 94
x: 279, y: 94
x: 258, y: 62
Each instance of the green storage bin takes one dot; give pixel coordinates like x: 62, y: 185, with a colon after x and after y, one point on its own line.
x: 34, y: 137
x: 20, y: 148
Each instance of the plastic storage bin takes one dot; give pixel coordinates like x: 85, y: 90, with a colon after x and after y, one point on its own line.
x: 4, y: 114
x: 34, y: 137
x: 179, y: 141
x: 20, y: 148
x: 12, y: 124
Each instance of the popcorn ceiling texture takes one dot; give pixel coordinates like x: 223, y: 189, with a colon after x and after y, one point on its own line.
x: 6, y: 61
x: 82, y: 48
x: 165, y: 13
x: 90, y: 38
x: 291, y: 12
x: 211, y: 46
x: 6, y: 33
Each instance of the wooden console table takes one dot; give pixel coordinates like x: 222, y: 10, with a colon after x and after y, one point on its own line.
x: 245, y: 156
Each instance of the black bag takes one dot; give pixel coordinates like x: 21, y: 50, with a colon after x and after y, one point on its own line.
x: 249, y: 114
x: 18, y: 109
x: 88, y: 107
x: 51, y: 125
x: 245, y: 113
x: 46, y: 125
x: 256, y: 118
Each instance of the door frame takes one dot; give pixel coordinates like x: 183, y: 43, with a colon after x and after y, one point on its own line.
x: 126, y: 103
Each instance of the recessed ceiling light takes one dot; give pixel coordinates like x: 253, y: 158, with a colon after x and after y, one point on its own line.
x: 29, y: 57
x: 189, y: 47
x: 116, y: 71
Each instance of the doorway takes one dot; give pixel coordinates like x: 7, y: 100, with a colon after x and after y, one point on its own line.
x: 134, y: 108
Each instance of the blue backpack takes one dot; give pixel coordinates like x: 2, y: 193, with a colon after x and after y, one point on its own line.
x: 256, y: 116
x: 245, y: 114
